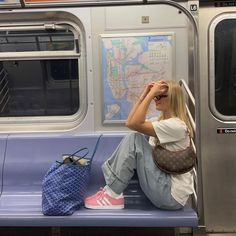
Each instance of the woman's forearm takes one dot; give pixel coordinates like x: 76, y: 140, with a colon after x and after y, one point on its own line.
x: 132, y: 112
x: 137, y: 104
x: 137, y: 115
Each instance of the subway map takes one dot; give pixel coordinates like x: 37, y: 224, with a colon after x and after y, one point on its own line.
x: 128, y: 64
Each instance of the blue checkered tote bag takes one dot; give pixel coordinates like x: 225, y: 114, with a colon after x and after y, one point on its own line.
x: 65, y: 184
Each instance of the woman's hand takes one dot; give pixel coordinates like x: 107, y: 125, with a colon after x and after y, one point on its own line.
x: 158, y: 88
x: 147, y: 90
x: 137, y: 116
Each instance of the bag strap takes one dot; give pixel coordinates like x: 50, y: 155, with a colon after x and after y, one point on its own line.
x: 80, y: 150
x: 86, y: 153
x: 71, y: 155
x: 158, y: 142
x: 96, y: 147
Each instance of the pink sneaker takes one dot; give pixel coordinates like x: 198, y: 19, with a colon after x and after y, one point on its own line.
x: 101, y: 190
x: 103, y: 201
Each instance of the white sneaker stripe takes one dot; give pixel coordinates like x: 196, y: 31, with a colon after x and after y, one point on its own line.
x: 99, y: 202
x: 103, y: 202
x: 106, y: 201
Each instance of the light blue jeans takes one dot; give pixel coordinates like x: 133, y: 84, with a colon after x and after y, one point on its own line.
x: 134, y: 152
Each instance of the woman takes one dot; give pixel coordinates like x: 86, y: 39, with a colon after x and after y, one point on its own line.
x: 172, y: 129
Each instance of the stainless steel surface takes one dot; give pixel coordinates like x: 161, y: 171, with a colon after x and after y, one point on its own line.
x: 218, y: 151
x: 189, y: 95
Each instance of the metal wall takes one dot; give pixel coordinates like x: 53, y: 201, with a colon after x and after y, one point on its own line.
x: 94, y: 21
x: 218, y: 151
x: 162, y: 18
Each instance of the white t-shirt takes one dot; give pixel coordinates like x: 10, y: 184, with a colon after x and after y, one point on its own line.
x: 173, y: 135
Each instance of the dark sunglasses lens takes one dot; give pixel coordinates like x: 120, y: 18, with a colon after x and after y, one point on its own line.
x: 159, y: 97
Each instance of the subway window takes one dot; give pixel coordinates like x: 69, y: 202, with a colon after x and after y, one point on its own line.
x: 225, y: 67
x: 32, y: 40
x: 39, y: 70
x: 49, y: 88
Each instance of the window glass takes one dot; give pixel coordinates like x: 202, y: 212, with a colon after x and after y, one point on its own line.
x: 40, y: 40
x: 39, y: 87
x: 33, y: 85
x: 225, y: 67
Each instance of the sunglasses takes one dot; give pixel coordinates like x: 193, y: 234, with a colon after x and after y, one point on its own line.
x: 159, y: 97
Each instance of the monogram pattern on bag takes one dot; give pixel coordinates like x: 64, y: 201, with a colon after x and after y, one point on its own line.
x: 174, y: 162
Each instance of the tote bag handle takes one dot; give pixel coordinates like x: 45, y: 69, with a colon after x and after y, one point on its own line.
x: 86, y: 153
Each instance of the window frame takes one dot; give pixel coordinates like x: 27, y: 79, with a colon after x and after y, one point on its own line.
x: 212, y: 87
x: 49, y: 123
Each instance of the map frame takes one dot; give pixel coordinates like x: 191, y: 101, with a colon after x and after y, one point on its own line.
x: 116, y: 36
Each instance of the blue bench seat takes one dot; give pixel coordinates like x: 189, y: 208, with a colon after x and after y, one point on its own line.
x: 25, y: 161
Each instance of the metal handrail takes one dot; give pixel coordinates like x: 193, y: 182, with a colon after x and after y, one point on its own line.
x: 184, y: 84
x: 190, y: 95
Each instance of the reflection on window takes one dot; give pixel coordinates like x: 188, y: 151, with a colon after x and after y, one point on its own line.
x: 41, y: 40
x: 225, y: 67
x: 39, y: 87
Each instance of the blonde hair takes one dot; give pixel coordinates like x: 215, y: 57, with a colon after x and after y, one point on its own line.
x: 177, y: 104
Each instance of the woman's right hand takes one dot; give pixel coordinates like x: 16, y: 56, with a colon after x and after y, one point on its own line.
x: 147, y: 90
x: 159, y: 87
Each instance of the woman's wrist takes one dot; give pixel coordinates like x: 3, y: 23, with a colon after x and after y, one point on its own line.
x: 143, y: 95
x: 141, y: 98
x: 148, y: 97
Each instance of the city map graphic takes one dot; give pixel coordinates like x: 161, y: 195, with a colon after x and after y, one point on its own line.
x: 129, y: 63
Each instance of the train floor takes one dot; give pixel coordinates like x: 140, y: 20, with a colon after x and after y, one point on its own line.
x: 74, y: 231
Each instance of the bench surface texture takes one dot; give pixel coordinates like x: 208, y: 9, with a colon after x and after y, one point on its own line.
x: 24, y: 160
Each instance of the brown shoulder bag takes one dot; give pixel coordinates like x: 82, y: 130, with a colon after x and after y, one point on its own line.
x: 174, y: 162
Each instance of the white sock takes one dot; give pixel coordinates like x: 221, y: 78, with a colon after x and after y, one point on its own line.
x: 111, y: 192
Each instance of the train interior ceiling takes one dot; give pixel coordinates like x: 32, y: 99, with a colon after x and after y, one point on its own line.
x: 76, y: 67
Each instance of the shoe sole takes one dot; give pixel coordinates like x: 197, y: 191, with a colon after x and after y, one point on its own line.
x: 118, y: 207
